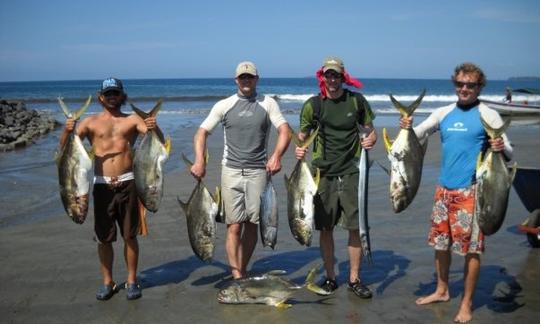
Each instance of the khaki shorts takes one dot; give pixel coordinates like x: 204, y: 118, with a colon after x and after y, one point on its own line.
x: 241, y: 191
x: 337, y: 201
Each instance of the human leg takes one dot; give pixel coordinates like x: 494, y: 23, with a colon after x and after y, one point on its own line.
x: 471, y: 273
x: 355, y: 255
x: 234, y: 249
x: 248, y: 242
x: 106, y: 256
x: 131, y: 256
x: 442, y: 267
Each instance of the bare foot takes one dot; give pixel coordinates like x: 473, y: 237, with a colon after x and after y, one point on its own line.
x: 464, y: 315
x: 433, y: 298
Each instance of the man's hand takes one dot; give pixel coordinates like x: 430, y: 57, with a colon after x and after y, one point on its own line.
x: 497, y: 144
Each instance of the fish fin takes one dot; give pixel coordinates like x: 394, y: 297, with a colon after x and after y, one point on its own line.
x: 317, y: 177
x: 186, y: 160
x: 276, y: 272
x: 387, y: 141
x: 283, y: 305
x: 424, y: 146
x: 156, y: 108
x: 206, y: 156
x: 512, y: 174
x: 168, y: 144
x: 383, y: 167
x: 183, y: 205
x: 409, y: 110
x: 286, y: 181
x: 217, y: 196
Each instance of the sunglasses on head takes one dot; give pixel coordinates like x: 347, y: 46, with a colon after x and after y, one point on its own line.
x: 246, y: 77
x: 468, y: 85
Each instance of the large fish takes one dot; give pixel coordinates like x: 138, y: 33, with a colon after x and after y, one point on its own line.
x: 74, y: 170
x: 363, y: 228
x: 268, y: 215
x: 493, y: 182
x: 150, y: 156
x: 201, y: 210
x: 301, y: 188
x: 406, y: 155
x: 269, y: 289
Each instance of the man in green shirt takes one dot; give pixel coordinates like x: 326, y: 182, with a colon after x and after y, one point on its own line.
x: 338, y: 113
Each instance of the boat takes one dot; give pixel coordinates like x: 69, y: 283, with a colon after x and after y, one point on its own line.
x: 527, y: 186
x: 522, y: 113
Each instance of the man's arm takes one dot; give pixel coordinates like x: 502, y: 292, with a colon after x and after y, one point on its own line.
x: 198, y: 169
x: 284, y: 138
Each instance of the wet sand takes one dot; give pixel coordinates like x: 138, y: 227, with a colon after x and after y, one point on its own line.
x: 50, y: 270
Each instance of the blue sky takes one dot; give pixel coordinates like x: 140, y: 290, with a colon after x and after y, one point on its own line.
x: 70, y: 40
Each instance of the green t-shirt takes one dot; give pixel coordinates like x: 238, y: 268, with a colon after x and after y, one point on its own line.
x: 337, y: 146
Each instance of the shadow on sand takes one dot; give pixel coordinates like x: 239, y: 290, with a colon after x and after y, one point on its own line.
x: 496, y: 289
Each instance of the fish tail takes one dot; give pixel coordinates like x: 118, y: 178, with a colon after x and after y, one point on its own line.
x: 77, y: 114
x: 407, y: 110
x: 182, y: 204
x: 387, y: 141
x: 495, y: 132
x: 310, y: 282
x: 186, y: 160
x: 306, y: 142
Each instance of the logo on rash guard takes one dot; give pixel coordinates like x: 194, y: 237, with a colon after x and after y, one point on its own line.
x: 458, y: 127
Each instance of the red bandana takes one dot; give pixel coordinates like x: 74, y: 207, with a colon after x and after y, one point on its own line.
x: 346, y: 78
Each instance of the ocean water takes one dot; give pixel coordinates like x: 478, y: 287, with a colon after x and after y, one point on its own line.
x: 196, y: 96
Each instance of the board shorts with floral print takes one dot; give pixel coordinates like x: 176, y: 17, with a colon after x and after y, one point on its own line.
x: 452, y: 222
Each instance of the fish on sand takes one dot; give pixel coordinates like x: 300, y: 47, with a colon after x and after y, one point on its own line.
x: 270, y: 289
x: 74, y: 170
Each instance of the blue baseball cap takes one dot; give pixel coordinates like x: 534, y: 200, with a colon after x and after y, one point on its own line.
x: 112, y: 84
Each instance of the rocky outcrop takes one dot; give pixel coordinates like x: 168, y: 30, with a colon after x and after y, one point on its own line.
x: 19, y: 127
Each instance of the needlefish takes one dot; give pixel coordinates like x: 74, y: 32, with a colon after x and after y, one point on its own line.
x: 493, y: 182
x: 363, y: 180
x: 406, y: 155
x: 301, y: 188
x: 201, y: 210
x: 150, y: 156
x: 269, y: 288
x: 268, y: 215
x: 74, y: 164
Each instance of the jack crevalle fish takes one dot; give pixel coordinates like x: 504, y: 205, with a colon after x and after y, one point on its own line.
x: 363, y: 228
x: 268, y: 215
x: 406, y: 155
x: 74, y: 170
x: 150, y: 156
x: 301, y: 188
x: 270, y: 289
x: 201, y: 210
x: 493, y: 182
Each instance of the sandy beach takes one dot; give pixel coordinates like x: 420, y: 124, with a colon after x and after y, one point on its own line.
x: 50, y: 270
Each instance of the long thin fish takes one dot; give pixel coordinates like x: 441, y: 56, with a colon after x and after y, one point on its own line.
x: 363, y: 180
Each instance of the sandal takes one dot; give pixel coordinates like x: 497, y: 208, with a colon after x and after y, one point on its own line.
x: 134, y: 291
x: 329, y: 285
x: 360, y: 290
x: 106, y: 291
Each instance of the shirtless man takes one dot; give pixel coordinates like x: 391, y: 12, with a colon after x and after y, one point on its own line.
x: 111, y: 133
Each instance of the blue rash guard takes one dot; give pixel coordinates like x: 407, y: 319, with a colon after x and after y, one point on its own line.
x: 463, y: 137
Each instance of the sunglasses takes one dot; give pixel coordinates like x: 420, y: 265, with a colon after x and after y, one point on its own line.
x: 115, y: 93
x: 468, y: 85
x: 332, y: 75
x: 246, y: 77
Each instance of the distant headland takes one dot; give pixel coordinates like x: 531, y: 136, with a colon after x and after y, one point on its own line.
x: 524, y: 78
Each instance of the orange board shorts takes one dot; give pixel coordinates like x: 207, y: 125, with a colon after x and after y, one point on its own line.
x: 453, y: 226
